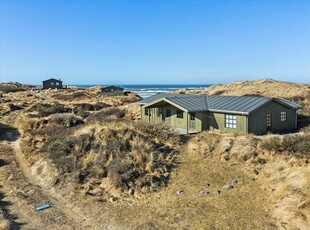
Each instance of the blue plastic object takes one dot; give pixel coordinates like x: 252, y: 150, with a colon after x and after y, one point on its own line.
x: 39, y: 208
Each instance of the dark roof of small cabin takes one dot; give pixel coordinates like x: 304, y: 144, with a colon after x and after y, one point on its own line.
x: 52, y: 79
x: 215, y: 103
x: 111, y: 86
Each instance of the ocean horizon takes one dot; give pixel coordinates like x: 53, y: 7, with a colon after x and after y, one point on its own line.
x: 147, y: 90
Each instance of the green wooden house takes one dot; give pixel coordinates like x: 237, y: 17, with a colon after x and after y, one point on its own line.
x: 112, y: 91
x: 239, y: 114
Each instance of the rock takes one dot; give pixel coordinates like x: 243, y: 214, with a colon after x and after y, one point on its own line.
x: 228, y: 186
x: 216, y: 192
x: 179, y: 192
x: 131, y: 191
x: 204, y: 192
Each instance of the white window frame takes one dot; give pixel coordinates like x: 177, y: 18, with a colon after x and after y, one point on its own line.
x: 283, y: 116
x: 230, y: 121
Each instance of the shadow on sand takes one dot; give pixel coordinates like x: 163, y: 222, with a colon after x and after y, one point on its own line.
x: 8, y: 133
x: 6, y: 214
x: 303, y: 121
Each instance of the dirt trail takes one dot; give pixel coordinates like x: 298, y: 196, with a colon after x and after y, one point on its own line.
x: 22, y: 194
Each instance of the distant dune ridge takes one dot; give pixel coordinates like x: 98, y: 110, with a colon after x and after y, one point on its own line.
x: 261, y: 87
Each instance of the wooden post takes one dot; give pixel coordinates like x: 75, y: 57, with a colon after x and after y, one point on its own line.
x: 187, y: 122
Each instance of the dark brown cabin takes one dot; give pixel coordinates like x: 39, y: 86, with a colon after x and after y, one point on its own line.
x: 52, y: 84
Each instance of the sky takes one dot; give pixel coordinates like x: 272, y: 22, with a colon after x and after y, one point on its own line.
x: 154, y: 42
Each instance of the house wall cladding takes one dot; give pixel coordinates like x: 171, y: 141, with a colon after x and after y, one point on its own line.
x: 257, y: 120
x: 207, y: 120
x: 172, y: 119
x: 112, y: 91
x: 52, y: 84
x: 115, y: 93
x: 216, y: 121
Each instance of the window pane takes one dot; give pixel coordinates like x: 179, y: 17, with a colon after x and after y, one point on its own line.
x: 230, y: 121
x: 179, y: 114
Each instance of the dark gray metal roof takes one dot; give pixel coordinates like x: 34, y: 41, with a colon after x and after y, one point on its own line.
x: 192, y: 103
x: 243, y: 104
x: 157, y: 96
x: 230, y: 104
x: 288, y: 103
x: 111, y: 86
x: 52, y: 79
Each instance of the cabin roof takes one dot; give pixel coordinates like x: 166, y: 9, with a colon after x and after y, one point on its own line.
x: 215, y: 103
x: 111, y: 86
x: 52, y: 79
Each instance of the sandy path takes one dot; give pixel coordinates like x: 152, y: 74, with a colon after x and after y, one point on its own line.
x: 22, y: 194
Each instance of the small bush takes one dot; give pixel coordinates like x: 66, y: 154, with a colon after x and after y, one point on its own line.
x: 65, y: 119
x: 83, y: 109
x: 69, y: 97
x: 13, y: 107
x: 296, y: 99
x: 272, y: 144
x: 44, y: 110
x: 48, y: 131
x: 105, y: 114
x: 121, y: 173
x: 297, y: 143
x: 290, y: 144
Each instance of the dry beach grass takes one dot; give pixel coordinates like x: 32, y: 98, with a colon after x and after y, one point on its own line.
x: 102, y: 168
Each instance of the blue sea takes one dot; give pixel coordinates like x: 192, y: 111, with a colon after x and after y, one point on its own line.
x: 149, y: 90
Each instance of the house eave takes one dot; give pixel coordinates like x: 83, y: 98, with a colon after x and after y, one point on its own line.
x: 229, y: 111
